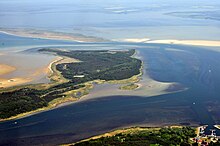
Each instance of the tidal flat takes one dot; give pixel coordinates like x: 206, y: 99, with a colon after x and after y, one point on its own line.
x: 105, y: 110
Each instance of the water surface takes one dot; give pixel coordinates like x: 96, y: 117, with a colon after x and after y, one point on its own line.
x: 190, y: 66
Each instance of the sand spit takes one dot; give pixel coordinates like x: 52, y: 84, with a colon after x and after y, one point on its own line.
x: 207, y: 43
x: 147, y: 88
x: 188, y: 42
x: 136, y: 40
x: 50, y: 35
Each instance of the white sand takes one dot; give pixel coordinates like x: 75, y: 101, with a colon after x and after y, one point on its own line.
x: 174, y: 41
x: 187, y: 42
x: 135, y: 40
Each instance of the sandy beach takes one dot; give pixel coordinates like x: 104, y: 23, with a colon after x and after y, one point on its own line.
x: 6, y: 69
x: 50, y: 35
x: 5, y: 83
x: 188, y: 42
x: 9, y: 82
x: 15, y: 71
x: 19, y: 80
x: 136, y: 40
x: 208, y: 43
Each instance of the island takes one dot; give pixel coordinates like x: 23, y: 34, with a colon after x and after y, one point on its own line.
x: 72, y: 76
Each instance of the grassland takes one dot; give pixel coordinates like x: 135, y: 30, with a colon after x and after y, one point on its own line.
x: 131, y: 86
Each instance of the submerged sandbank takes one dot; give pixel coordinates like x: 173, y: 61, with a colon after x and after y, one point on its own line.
x: 4, y: 69
x: 18, y: 69
x: 147, y: 88
x: 42, y: 34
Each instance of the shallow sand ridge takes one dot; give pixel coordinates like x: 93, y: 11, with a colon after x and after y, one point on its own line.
x: 5, y: 69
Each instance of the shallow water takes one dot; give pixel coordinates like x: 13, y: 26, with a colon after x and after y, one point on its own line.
x: 82, y: 119
x: 28, y: 64
x: 196, y: 68
x: 114, y: 19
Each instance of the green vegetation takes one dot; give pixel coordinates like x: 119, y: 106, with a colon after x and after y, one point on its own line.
x: 131, y: 86
x: 20, y: 101
x: 103, y: 64
x: 163, y: 136
x: 95, y: 65
x: 26, y: 99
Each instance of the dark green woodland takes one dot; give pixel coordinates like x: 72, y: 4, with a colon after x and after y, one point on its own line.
x: 162, y: 137
x: 102, y: 64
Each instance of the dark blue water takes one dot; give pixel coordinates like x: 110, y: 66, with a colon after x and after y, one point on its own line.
x: 189, y: 67
x: 209, y: 128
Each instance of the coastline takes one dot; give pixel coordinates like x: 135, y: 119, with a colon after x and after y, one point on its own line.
x: 152, y: 87
x: 205, y: 43
x: 115, y: 132
x: 11, y: 76
x: 57, y: 103
x: 5, y: 69
x: 8, y: 82
x: 56, y: 78
x: 50, y: 35
x: 217, y: 126
x: 125, y: 131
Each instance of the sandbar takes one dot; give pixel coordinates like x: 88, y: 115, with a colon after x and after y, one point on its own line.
x: 5, y: 69
x: 188, y: 42
x: 136, y: 40
x: 208, y: 43
x: 6, y: 82
x: 32, y: 33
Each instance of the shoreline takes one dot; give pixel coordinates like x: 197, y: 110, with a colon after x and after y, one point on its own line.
x: 56, y: 103
x: 5, y: 69
x: 127, y: 130
x: 11, y: 76
x: 51, y: 35
x: 217, y: 126
x: 115, y: 132
x: 205, y: 43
